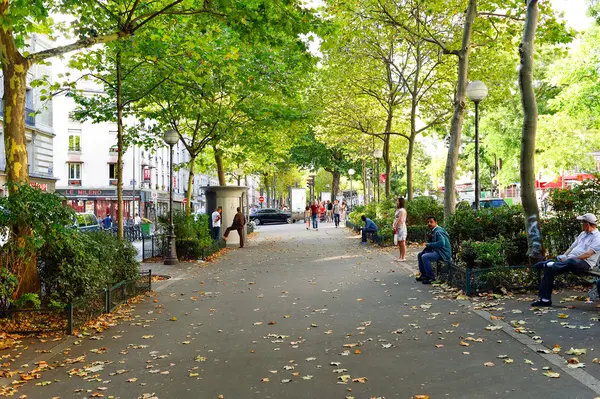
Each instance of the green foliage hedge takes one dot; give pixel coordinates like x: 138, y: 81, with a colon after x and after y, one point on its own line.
x: 71, y: 265
x: 192, y: 234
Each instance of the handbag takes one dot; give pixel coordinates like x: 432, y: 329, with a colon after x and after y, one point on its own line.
x: 395, y: 236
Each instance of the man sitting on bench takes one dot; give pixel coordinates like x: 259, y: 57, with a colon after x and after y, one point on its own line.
x: 580, y: 257
x: 437, y: 248
x: 370, y: 227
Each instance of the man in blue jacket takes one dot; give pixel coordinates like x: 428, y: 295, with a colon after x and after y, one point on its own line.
x: 370, y: 227
x: 438, y: 247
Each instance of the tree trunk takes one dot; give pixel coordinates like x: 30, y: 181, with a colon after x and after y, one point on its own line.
x: 386, y: 154
x: 190, y: 186
x: 409, y: 170
x: 335, y: 184
x: 219, y: 163
x: 459, y: 111
x: 413, y: 121
x: 364, y: 182
x: 120, y: 148
x: 267, y: 186
x: 530, y: 115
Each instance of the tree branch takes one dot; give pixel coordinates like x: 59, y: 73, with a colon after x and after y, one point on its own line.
x: 491, y: 14
x: 78, y: 45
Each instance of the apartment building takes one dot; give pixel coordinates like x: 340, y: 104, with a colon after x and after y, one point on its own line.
x: 39, y: 130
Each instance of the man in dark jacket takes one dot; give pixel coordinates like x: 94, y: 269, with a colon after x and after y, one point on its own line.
x: 370, y: 227
x: 438, y: 247
x: 239, y: 221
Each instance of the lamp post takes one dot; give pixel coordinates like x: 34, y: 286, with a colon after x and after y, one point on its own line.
x: 477, y: 91
x: 351, y: 172
x: 171, y: 138
x: 378, y: 154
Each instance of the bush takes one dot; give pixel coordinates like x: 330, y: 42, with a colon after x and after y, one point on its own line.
x: 422, y: 207
x: 417, y: 233
x: 8, y: 284
x: 485, y: 254
x: 192, y: 235
x: 76, y: 265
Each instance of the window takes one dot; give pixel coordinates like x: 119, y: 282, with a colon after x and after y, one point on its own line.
x: 113, y: 171
x: 74, y: 139
x: 74, y: 171
x: 114, y: 148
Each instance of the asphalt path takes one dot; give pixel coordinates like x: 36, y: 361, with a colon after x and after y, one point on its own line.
x: 302, y: 314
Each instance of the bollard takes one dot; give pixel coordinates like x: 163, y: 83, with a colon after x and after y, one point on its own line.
x: 468, y: 282
x: 107, y: 300
x: 150, y: 280
x: 69, y: 309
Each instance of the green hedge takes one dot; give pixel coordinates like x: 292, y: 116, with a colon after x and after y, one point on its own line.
x: 192, y: 234
x: 417, y: 234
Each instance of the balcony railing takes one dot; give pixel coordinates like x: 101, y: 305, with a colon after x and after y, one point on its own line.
x: 29, y: 115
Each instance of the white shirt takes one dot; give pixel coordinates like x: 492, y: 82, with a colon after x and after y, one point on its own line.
x: 216, y: 220
x: 584, y: 242
x: 137, y: 220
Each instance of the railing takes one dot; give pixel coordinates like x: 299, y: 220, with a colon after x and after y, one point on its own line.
x: 74, y: 315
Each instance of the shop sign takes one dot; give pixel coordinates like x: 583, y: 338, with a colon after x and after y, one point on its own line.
x: 41, y: 186
x: 146, y: 174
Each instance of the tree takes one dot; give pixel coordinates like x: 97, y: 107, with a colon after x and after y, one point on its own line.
x: 530, y: 115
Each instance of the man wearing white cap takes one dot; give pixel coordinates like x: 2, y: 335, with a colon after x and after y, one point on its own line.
x: 581, y: 256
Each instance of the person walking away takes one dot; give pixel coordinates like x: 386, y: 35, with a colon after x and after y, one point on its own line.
x: 582, y: 255
x: 400, y: 228
x: 343, y: 211
x: 336, y: 213
x: 329, y: 211
x: 322, y: 215
x: 437, y: 248
x: 239, y: 221
x: 307, y: 217
x: 314, y: 214
x: 370, y: 227
x: 107, y: 222
x: 216, y: 223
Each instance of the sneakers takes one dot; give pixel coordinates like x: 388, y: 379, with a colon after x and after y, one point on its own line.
x: 539, y: 303
x: 420, y: 278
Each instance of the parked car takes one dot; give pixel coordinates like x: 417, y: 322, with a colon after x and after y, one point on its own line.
x: 86, y: 222
x: 269, y: 215
x: 488, y: 203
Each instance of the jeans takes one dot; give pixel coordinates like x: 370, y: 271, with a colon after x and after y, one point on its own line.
x: 425, y: 260
x: 315, y: 220
x: 336, y: 219
x: 364, y: 233
x: 572, y: 265
x: 216, y: 232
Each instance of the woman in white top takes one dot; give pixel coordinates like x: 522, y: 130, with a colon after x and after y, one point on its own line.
x: 400, y: 228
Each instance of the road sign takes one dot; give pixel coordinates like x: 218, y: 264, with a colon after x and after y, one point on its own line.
x: 261, y: 199
x: 184, y: 201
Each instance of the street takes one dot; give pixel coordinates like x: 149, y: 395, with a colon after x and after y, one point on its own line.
x: 304, y: 314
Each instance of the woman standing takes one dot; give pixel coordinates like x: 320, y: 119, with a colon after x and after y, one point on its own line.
x: 400, y: 228
x: 307, y: 216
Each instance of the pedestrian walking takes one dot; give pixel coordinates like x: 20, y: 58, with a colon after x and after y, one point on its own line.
x: 329, y: 211
x: 336, y: 213
x: 344, y: 211
x: 239, y: 221
x: 400, y: 228
x: 438, y: 247
x: 107, y: 222
x: 314, y: 214
x: 216, y: 223
x: 322, y: 216
x: 307, y: 217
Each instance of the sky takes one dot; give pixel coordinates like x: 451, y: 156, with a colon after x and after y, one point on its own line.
x: 574, y: 12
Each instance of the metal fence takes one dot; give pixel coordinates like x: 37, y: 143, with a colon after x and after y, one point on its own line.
x: 74, y: 315
x: 153, y: 247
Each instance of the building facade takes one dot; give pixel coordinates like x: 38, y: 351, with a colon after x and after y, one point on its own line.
x: 39, y: 130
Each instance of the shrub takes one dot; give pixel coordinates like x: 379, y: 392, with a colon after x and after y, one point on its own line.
x: 189, y: 249
x: 28, y: 301
x: 422, y: 207
x: 485, y: 254
x: 417, y: 233
x: 8, y: 284
x: 76, y: 265
x: 192, y: 235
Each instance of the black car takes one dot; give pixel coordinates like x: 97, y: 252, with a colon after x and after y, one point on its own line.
x: 269, y: 215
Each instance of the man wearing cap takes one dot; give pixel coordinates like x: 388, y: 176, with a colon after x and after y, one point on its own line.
x: 581, y: 256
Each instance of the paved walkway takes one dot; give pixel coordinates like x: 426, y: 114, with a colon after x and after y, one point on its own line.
x: 305, y: 314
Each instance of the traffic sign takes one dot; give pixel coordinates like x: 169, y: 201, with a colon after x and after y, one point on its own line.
x: 261, y: 199
x: 184, y: 201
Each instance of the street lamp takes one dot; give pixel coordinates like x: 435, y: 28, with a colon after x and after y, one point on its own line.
x: 477, y: 91
x: 171, y: 138
x: 351, y: 172
x: 378, y: 154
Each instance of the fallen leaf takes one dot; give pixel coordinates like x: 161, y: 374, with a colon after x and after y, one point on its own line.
x: 576, y: 352
x: 362, y: 380
x: 552, y: 374
x: 264, y: 380
x: 563, y: 316
x: 489, y: 364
